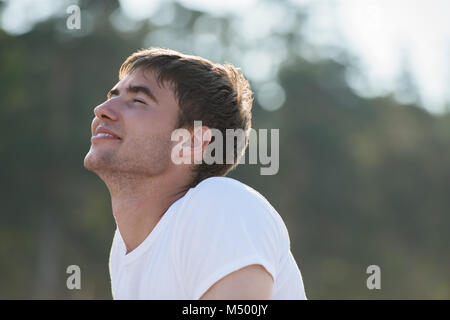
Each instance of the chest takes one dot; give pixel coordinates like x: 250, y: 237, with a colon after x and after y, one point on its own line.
x: 152, y: 276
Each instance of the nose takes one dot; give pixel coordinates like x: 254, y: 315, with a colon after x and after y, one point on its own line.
x: 105, y: 111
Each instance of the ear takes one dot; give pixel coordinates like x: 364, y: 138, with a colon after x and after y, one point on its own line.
x: 181, y: 150
x: 200, y: 139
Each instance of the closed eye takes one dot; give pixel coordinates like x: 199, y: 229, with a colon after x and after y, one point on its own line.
x: 139, y: 101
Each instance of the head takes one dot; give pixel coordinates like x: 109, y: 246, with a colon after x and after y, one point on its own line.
x: 160, y: 90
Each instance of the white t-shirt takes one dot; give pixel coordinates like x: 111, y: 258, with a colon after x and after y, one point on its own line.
x: 218, y: 227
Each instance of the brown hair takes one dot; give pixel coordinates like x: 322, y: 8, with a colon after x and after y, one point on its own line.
x: 216, y: 94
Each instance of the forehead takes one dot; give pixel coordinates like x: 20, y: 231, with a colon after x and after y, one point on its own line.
x: 148, y: 78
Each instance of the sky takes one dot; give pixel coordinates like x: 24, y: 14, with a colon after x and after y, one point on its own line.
x: 385, y: 35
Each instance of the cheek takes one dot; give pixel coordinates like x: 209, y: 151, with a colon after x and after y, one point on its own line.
x: 152, y: 130
x: 150, y: 123
x: 151, y: 116
x: 149, y: 134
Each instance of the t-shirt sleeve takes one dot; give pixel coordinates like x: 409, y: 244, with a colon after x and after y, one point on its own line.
x: 225, y: 227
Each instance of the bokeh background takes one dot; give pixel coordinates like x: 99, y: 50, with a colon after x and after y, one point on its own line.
x: 358, y: 89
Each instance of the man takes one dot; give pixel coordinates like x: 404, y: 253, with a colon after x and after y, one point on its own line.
x: 184, y: 231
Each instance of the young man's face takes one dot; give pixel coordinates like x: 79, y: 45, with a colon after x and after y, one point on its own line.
x: 141, y: 117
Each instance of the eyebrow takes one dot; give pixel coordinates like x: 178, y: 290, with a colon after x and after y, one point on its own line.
x: 135, y: 89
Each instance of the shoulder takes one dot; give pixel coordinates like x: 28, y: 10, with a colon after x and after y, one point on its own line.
x: 230, y: 193
x: 219, y: 193
x: 227, y: 203
x: 223, y: 226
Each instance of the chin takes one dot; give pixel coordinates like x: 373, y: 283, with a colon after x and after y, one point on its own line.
x: 92, y: 161
x: 96, y: 161
x: 89, y: 162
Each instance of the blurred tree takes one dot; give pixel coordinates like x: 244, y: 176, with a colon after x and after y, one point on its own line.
x: 361, y: 181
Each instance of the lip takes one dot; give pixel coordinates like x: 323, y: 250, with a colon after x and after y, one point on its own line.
x: 102, y: 129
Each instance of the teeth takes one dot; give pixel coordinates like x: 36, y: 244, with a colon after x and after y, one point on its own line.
x: 104, y: 135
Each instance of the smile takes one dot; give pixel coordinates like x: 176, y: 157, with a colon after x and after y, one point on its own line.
x: 103, y: 135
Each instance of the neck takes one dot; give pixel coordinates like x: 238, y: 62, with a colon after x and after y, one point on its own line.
x: 139, y: 203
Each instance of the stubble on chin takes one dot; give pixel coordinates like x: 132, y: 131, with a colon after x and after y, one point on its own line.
x: 95, y: 161
x: 108, y: 168
x: 146, y: 157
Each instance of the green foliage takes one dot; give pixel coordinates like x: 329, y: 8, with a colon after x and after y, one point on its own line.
x: 361, y: 181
